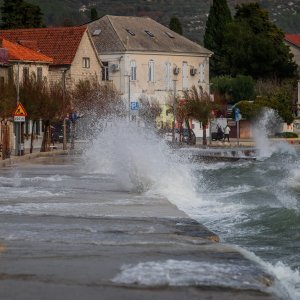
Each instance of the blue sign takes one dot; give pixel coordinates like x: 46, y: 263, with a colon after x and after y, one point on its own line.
x: 73, y: 116
x: 237, y: 114
x: 134, y: 105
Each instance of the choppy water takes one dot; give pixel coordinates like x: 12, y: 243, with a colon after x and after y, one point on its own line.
x: 252, y: 204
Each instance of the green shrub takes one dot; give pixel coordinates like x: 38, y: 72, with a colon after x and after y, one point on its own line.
x: 287, y: 135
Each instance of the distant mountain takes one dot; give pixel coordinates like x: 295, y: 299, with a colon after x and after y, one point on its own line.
x: 192, y: 13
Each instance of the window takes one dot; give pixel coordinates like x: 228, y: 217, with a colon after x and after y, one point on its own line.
x: 151, y: 71
x: 1, y: 82
x: 130, y: 32
x: 170, y: 35
x: 168, y: 76
x: 96, y: 32
x: 133, y: 70
x: 202, y: 72
x: 185, y: 76
x: 39, y: 74
x: 149, y: 33
x: 25, y: 74
x: 86, y: 62
x: 105, y: 74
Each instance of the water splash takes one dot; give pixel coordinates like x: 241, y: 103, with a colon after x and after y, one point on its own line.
x: 140, y: 161
x: 268, y: 124
x: 289, y: 279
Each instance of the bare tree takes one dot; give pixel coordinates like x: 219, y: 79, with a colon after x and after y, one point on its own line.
x: 149, y: 110
x: 199, y: 106
x: 100, y: 100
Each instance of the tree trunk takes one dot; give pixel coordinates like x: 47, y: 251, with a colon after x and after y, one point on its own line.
x: 32, y: 136
x: 187, y: 123
x: 46, y: 137
x: 72, y: 135
x: 204, y: 135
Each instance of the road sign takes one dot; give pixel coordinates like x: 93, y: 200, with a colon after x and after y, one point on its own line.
x: 134, y: 105
x: 20, y: 111
x: 19, y: 118
x: 237, y: 114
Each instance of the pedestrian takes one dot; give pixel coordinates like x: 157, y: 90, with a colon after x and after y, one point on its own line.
x: 219, y: 133
x: 226, y: 132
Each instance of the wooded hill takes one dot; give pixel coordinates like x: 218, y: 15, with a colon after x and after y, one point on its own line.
x: 192, y: 13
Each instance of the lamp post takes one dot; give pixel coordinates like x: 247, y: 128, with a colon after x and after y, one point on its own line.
x: 128, y: 95
x: 298, y: 100
x: 64, y: 120
x: 18, y: 124
x: 174, y: 111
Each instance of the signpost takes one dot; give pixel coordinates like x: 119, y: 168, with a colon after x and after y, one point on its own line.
x: 237, y: 118
x: 134, y: 105
x: 19, y: 117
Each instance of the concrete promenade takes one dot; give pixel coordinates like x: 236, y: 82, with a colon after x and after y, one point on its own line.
x: 152, y: 236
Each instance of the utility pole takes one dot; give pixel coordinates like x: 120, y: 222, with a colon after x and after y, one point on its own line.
x: 18, y: 124
x: 64, y: 102
x: 298, y: 101
x: 174, y: 112
x: 128, y: 96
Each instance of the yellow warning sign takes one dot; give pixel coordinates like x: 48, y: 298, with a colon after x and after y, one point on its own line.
x: 20, y: 111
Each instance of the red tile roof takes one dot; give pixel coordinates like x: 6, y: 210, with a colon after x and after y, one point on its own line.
x: 293, y: 39
x: 61, y: 43
x: 18, y: 52
x: 3, y: 56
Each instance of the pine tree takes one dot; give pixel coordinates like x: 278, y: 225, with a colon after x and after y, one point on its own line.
x: 94, y: 14
x: 254, y: 46
x: 175, y: 25
x: 20, y: 14
x: 219, y: 17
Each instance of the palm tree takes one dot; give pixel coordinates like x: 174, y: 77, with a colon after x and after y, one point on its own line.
x: 199, y: 106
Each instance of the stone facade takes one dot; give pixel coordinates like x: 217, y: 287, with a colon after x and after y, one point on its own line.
x: 85, y: 65
x: 146, y: 60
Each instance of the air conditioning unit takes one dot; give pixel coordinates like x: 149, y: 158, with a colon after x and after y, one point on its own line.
x: 115, y: 67
x: 193, y: 71
x: 176, y: 71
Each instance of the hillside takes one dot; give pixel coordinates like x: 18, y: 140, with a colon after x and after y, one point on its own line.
x: 192, y: 13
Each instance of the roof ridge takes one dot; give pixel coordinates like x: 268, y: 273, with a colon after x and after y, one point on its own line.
x: 47, y: 28
x: 21, y: 47
x: 125, y: 48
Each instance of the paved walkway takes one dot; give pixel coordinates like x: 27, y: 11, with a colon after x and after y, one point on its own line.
x: 90, y: 245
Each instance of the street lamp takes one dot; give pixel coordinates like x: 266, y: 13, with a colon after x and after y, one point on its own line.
x: 174, y: 111
x: 64, y: 70
x: 298, y: 101
x: 128, y: 95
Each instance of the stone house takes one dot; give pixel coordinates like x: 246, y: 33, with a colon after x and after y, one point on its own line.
x: 293, y: 41
x: 19, y: 63
x: 73, y: 53
x: 146, y: 60
x: 23, y: 61
x: 4, y: 65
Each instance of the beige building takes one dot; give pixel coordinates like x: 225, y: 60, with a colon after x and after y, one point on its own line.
x: 71, y: 49
x: 293, y: 41
x: 146, y: 60
x: 4, y: 66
